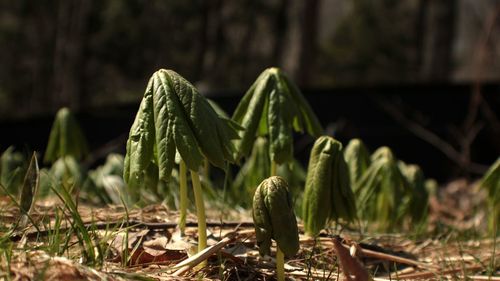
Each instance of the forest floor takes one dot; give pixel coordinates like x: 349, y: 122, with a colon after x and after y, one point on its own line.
x: 113, y: 243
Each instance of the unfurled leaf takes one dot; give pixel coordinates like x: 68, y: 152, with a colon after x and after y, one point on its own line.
x: 328, y: 195
x: 274, y: 217
x: 30, y: 187
x: 174, y: 116
x: 66, y: 138
x: 274, y: 106
x: 358, y: 159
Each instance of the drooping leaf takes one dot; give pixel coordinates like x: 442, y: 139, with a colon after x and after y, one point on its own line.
x: 174, y: 116
x: 275, y: 107
x: 358, y: 159
x: 66, y: 138
x: 274, y: 217
x: 328, y: 195
x: 419, y: 197
x: 383, y: 192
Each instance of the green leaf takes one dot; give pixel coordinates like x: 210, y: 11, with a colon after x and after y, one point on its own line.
x: 174, y: 116
x: 383, y: 192
x: 274, y: 217
x: 66, y: 138
x: 328, y: 195
x: 357, y: 157
x: 12, y: 170
x: 316, y: 209
x: 274, y: 106
x: 30, y: 186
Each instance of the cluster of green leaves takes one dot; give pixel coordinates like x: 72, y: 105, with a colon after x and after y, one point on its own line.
x: 388, y: 191
x: 328, y: 194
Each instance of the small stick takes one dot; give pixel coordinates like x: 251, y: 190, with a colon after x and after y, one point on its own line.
x: 384, y: 256
x: 429, y: 274
x: 201, y: 256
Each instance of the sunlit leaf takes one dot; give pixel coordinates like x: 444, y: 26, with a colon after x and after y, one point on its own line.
x: 328, y: 195
x: 274, y: 106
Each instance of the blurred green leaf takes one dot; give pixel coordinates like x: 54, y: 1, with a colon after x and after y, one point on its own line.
x: 66, y: 138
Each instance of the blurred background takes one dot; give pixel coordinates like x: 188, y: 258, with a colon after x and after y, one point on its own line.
x: 420, y: 76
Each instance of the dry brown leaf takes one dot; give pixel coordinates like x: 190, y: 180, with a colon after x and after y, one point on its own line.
x: 351, y: 268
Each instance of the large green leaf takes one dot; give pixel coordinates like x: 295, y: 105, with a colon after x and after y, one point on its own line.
x: 174, y: 116
x: 275, y: 107
x: 328, y: 195
x: 66, y: 138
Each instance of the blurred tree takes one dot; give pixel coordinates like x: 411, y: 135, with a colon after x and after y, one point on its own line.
x: 438, y: 40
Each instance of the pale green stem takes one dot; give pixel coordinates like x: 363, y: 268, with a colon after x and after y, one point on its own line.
x: 200, y: 211
x: 206, y: 169
x: 183, y: 196
x: 273, y: 168
x: 280, y: 264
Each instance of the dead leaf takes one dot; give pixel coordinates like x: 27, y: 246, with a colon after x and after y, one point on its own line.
x: 350, y: 266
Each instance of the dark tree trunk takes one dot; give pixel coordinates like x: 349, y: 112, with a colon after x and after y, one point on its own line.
x: 308, y: 44
x: 71, y: 29
x: 440, y: 31
x: 280, y: 29
x: 420, y: 27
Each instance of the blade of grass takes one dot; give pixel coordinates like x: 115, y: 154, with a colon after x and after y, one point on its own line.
x: 81, y: 231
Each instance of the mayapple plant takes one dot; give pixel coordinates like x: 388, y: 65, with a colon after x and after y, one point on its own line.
x: 419, y: 198
x: 172, y: 117
x: 328, y: 195
x: 274, y: 218
x: 357, y: 157
x: 66, y: 138
x: 383, y: 192
x: 491, y: 182
x: 274, y: 107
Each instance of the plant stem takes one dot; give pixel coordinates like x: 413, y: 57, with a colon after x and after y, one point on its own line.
x: 200, y: 211
x: 280, y: 264
x: 273, y: 168
x: 183, y: 196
